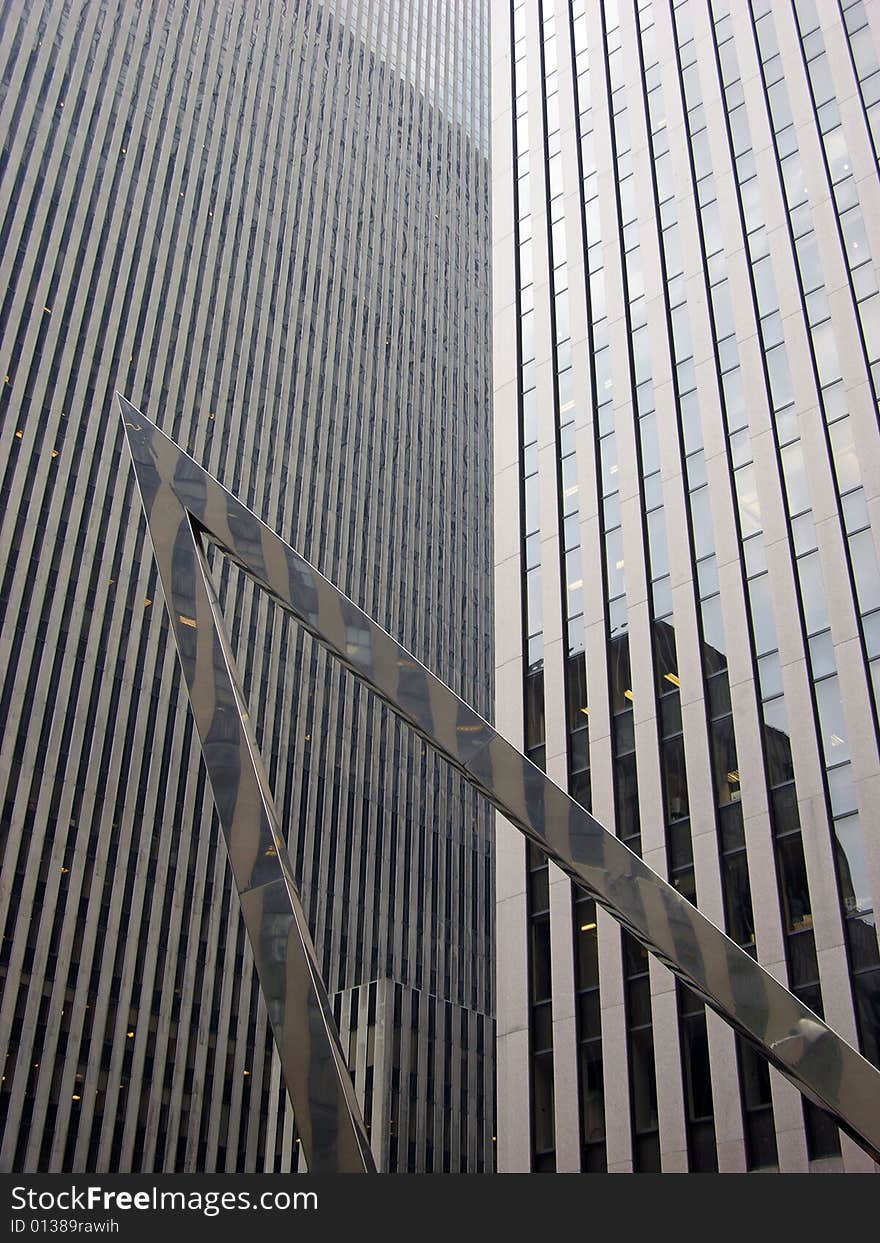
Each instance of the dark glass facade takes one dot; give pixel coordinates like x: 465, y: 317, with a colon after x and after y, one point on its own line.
x: 268, y: 227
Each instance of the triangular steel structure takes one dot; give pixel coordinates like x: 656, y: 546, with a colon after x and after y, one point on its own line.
x: 185, y: 506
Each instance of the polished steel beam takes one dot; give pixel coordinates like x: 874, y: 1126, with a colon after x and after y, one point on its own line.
x: 185, y: 506
x: 182, y: 505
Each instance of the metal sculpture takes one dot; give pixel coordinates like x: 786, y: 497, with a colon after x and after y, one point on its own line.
x: 185, y: 507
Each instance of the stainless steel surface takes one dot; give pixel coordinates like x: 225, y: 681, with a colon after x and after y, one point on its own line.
x: 184, y: 504
x: 176, y: 493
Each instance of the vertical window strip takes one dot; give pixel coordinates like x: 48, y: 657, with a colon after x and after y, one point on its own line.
x: 541, y: 1088
x: 587, y: 986
x: 736, y: 889
x: 697, y: 1086
x: 612, y: 557
x: 592, y: 1113
x: 645, y: 1123
x: 540, y: 1013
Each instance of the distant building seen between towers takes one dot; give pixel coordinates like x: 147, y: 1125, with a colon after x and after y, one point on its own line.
x: 686, y: 327
x: 267, y: 225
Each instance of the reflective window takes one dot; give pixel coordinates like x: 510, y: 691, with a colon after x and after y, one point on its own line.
x: 852, y: 865
x: 813, y: 593
x: 831, y: 721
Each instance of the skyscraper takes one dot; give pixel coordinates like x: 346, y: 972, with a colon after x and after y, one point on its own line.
x: 686, y: 378
x: 268, y: 227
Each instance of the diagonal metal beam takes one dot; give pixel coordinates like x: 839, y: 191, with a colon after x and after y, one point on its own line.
x: 183, y: 504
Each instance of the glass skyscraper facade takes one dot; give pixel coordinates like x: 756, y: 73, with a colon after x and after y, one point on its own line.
x: 268, y: 226
x: 686, y: 228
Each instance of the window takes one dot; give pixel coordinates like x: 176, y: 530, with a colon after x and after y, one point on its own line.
x: 813, y: 593
x: 781, y: 391
x: 865, y: 570
x: 852, y: 865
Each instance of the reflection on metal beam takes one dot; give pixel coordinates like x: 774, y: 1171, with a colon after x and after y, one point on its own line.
x: 184, y: 505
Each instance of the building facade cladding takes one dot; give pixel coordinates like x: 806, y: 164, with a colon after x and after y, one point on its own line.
x: 269, y: 227
x: 686, y: 342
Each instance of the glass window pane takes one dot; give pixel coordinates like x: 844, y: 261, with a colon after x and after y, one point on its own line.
x: 831, y: 722
x: 701, y: 517
x: 780, y: 767
x: 786, y: 818
x: 822, y: 659
x: 765, y: 287
x: 542, y: 1071
x: 762, y: 615
x: 724, y: 762
x: 797, y: 908
x: 579, y: 787
x: 781, y: 391
x: 540, y: 959
x: 532, y: 504
x: 837, y: 154
x: 589, y: 1015
x: 539, y: 890
x: 675, y: 779
x: 852, y: 865
x: 643, y: 1080
x: 854, y: 236
x: 690, y: 422
x: 804, y: 967
x: 592, y: 1089
x: 649, y: 444
x: 614, y: 564
x: 823, y: 1137
x: 698, y: 1082
x: 639, y: 1002
x: 714, y: 646
x: 738, y: 899
x: 576, y: 691
x: 732, y: 833
x: 867, y: 996
x: 794, y: 472
x: 842, y: 789
x: 534, y: 601
x: 657, y: 543
x: 827, y: 359
x: 861, y: 934
x: 530, y: 416
x: 869, y: 314
x: 587, y: 948
x: 865, y: 571
x: 627, y: 797
x: 534, y: 710
x: 813, y: 593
